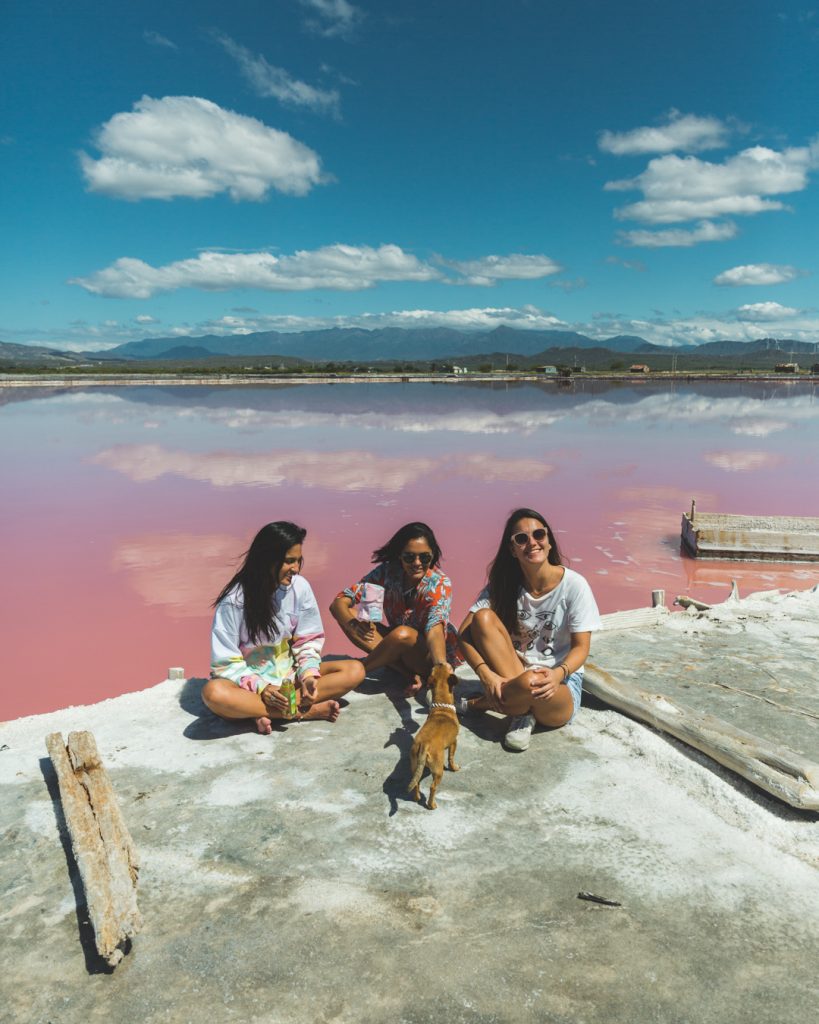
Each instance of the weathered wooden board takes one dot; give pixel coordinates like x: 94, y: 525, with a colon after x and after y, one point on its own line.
x: 739, y: 682
x: 103, y: 848
x: 751, y: 538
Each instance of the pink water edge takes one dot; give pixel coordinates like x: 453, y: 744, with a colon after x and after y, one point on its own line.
x: 126, y: 509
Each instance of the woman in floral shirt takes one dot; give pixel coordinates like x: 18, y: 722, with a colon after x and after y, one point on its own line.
x: 417, y: 600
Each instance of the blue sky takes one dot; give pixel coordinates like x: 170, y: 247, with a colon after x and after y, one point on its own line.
x: 179, y: 169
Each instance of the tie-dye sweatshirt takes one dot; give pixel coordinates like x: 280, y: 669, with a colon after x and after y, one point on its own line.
x: 291, y: 651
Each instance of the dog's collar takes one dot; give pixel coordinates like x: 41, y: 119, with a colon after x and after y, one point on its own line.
x: 435, y: 704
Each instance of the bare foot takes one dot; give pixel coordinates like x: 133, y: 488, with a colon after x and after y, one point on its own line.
x: 264, y: 726
x: 327, y: 710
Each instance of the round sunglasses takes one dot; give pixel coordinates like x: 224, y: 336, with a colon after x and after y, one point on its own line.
x: 522, y: 539
x: 424, y: 557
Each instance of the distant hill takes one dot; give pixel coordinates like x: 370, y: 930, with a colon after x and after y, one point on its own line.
x: 387, y: 343
x: 37, y: 355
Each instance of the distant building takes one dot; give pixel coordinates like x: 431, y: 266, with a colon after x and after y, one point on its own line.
x: 638, y: 368
x: 546, y: 369
x: 786, y: 368
x: 815, y: 368
x: 459, y: 369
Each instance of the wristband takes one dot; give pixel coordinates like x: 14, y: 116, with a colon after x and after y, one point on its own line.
x: 566, y: 672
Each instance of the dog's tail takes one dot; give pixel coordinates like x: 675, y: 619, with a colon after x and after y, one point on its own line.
x: 419, y: 770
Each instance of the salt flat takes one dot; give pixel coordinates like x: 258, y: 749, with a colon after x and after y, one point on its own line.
x: 288, y: 878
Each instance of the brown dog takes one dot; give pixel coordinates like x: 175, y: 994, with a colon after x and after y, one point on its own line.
x: 438, y: 734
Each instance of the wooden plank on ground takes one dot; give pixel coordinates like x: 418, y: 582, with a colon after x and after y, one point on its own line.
x: 103, y: 848
x: 780, y: 771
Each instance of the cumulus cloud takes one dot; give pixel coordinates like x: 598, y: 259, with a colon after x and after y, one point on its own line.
x: 337, y: 267
x: 678, y: 237
x: 684, y: 188
x: 332, y: 17
x: 757, y: 274
x: 268, y: 80
x: 188, y: 146
x: 489, y: 269
x: 144, y: 318
x: 684, y: 132
x: 765, y: 311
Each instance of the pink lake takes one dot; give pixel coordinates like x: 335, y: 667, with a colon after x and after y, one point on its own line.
x: 126, y: 509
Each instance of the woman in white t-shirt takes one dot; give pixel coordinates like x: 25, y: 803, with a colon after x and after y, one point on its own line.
x: 528, y: 633
x: 266, y: 632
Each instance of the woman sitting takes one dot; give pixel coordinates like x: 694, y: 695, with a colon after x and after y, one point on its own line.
x: 528, y: 633
x: 267, y: 632
x: 417, y: 602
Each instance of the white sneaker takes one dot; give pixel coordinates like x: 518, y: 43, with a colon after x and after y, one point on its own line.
x: 519, y: 732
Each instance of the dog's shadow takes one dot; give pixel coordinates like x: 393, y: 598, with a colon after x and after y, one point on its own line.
x: 395, y: 784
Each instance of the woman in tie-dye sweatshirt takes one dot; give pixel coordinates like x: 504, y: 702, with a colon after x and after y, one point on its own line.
x: 267, y: 630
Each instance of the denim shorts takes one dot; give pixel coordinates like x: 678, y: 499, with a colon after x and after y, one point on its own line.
x: 575, y: 684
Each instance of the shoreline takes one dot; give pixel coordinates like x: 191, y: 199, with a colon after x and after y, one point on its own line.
x: 191, y: 379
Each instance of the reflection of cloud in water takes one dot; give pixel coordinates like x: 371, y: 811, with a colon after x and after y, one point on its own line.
x: 741, y: 414
x: 659, y: 497
x: 183, y: 572
x: 742, y: 462
x: 336, y: 471
x: 422, y: 421
x: 339, y: 471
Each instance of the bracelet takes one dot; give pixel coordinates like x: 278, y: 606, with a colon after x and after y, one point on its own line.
x: 479, y: 665
x: 566, y: 672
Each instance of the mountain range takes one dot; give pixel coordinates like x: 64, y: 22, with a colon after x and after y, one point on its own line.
x: 387, y: 344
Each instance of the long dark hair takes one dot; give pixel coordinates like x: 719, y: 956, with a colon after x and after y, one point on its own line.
x: 505, y: 573
x: 259, y: 575
x: 391, y: 551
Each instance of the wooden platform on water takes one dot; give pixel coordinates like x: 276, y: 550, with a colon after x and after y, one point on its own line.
x: 740, y: 682
x: 751, y: 538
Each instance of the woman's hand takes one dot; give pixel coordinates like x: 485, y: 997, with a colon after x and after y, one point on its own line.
x: 546, y: 682
x: 273, y: 700
x: 307, y: 685
x: 493, y: 689
x: 365, y: 632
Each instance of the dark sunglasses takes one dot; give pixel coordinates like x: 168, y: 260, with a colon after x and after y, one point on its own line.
x: 408, y: 557
x: 522, y: 539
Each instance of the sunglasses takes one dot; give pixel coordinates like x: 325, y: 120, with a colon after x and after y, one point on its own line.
x: 522, y: 539
x: 408, y: 557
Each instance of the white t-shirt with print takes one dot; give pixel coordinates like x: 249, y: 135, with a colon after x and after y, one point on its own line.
x: 546, y: 623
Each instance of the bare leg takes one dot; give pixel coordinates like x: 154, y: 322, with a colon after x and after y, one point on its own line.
x: 492, y: 640
x: 404, y: 649
x: 231, y: 702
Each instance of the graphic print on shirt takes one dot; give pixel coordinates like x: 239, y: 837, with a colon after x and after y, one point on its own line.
x: 536, y: 633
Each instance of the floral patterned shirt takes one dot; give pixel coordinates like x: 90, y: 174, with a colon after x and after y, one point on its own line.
x: 421, y: 607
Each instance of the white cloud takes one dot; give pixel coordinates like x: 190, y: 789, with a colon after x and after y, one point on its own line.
x: 155, y: 39
x: 268, y: 80
x: 684, y: 132
x: 683, y: 188
x: 516, y: 266
x: 679, y: 237
x: 337, y: 267
x: 188, y: 146
x: 765, y: 311
x: 332, y: 17
x: 143, y: 318
x: 757, y: 274
x: 672, y: 211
